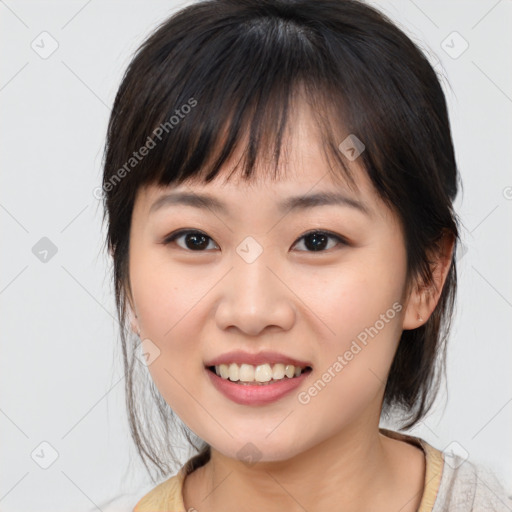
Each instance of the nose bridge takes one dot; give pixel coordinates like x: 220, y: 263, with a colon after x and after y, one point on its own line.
x: 252, y: 277
x: 254, y: 297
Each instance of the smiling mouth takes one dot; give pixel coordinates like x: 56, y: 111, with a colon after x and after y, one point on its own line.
x: 260, y: 375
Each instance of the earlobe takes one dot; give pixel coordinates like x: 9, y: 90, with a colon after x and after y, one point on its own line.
x: 415, y: 310
x: 424, y: 297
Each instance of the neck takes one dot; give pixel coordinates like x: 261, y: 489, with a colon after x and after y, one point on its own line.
x: 358, y: 469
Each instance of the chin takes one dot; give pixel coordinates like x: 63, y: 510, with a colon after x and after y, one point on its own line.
x: 252, y: 450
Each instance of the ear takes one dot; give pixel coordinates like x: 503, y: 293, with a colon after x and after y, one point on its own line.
x: 423, y: 298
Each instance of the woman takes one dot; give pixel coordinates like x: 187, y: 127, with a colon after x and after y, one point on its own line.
x: 279, y: 183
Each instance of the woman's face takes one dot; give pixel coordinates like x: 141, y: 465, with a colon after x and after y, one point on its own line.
x: 253, y: 283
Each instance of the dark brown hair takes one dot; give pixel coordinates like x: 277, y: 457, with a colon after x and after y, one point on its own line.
x: 221, y: 69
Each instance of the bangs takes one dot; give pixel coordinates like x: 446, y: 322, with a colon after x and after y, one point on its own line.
x: 240, y: 90
x: 259, y: 129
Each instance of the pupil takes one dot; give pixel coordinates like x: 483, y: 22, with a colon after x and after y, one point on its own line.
x: 203, y: 242
x: 318, y: 239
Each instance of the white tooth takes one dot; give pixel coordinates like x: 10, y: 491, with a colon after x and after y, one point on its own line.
x: 224, y: 371
x: 246, y: 373
x: 263, y: 373
x: 234, y: 372
x: 289, y: 370
x: 278, y: 371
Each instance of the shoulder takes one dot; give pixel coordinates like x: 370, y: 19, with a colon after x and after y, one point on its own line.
x: 456, y: 484
x: 166, y: 496
x: 466, y: 486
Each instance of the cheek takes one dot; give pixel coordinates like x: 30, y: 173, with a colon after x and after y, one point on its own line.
x: 353, y: 296
x: 165, y: 293
x: 359, y: 313
x: 173, y: 302
x: 168, y: 301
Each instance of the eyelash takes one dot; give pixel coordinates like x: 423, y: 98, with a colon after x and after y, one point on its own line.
x: 178, y: 234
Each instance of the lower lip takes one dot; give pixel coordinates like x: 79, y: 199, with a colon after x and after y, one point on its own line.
x: 247, y: 394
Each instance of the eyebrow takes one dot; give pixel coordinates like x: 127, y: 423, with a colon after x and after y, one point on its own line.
x: 304, y: 202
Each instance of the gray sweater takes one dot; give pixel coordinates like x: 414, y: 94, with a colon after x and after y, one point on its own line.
x: 466, y: 487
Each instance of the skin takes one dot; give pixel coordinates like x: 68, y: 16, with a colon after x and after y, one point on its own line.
x: 311, y: 305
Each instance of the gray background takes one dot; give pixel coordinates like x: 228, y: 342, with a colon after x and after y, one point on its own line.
x: 61, y: 375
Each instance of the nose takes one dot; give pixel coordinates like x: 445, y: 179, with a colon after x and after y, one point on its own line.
x: 255, y: 297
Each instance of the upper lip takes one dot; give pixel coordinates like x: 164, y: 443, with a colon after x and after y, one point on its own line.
x: 240, y: 357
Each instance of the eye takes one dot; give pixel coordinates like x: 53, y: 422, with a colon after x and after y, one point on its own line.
x: 316, y: 241
x: 193, y: 240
